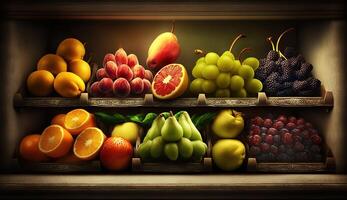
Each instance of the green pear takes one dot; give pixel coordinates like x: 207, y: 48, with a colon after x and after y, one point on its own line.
x: 228, y: 154
x: 171, y: 130
x: 154, y: 131
x: 185, y: 148
x: 195, y: 132
x: 228, y: 124
x: 144, y: 150
x: 171, y: 151
x: 187, y: 132
x: 157, y: 147
x: 199, y: 149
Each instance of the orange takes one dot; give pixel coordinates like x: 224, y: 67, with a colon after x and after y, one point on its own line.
x: 116, y: 153
x: 40, y: 83
x: 81, y: 68
x: 88, y: 143
x: 70, y: 49
x: 70, y: 158
x: 55, y: 141
x: 52, y: 63
x: 170, y: 82
x: 59, y: 119
x: 29, y: 149
x: 77, y: 120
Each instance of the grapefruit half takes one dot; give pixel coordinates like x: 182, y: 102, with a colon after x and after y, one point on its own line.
x: 170, y: 82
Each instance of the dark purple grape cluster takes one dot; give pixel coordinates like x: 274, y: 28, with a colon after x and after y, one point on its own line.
x: 284, y: 139
x: 289, y: 76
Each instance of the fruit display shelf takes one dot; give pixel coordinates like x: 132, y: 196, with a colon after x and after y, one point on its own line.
x: 325, y: 100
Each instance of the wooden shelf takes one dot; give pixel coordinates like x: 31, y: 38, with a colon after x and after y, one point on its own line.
x: 326, y: 100
x: 167, y: 10
x: 218, y: 186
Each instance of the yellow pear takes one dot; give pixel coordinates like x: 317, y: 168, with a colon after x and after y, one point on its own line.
x: 128, y: 130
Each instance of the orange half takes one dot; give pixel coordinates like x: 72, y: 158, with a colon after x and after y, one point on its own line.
x: 55, y: 141
x: 77, y: 120
x: 88, y: 143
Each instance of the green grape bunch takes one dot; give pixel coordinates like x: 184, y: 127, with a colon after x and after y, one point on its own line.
x: 225, y: 76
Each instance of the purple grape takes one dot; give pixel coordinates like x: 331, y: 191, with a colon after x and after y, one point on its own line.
x: 274, y: 149
x: 277, y: 139
x: 254, y: 150
x: 315, y: 148
x: 298, y: 147
x: 263, y: 130
x: 296, y: 131
x: 283, y: 131
x: 282, y: 148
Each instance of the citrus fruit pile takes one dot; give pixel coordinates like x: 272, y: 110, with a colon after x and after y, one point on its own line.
x: 64, y: 72
x: 72, y: 138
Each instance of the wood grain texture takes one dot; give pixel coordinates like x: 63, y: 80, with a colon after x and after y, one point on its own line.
x: 174, y: 186
x: 164, y: 10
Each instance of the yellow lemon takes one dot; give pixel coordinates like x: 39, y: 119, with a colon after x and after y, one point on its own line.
x: 40, y: 83
x: 81, y: 68
x: 70, y: 49
x: 53, y: 63
x: 68, y: 84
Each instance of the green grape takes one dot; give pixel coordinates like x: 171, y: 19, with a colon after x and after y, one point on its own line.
x: 196, y: 72
x: 223, y: 80
x: 236, y: 83
x: 210, y: 72
x: 223, y: 93
x: 251, y: 61
x: 240, y: 94
x: 225, y: 63
x: 246, y: 72
x: 208, y: 86
x: 195, y: 86
x: 201, y: 59
x: 228, y: 53
x: 253, y: 86
x: 211, y: 58
x: 236, y: 67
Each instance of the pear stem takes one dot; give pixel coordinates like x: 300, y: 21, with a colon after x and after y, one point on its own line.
x: 171, y: 114
x: 242, y: 51
x: 279, y: 38
x: 269, y: 39
x: 199, y: 52
x: 235, y: 40
x: 173, y: 26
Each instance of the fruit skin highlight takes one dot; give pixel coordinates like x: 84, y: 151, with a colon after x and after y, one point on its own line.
x: 68, y: 84
x: 164, y: 50
x: 52, y: 63
x: 116, y: 153
x: 164, y: 85
x: 40, y: 83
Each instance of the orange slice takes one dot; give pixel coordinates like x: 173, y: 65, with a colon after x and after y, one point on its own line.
x: 77, y: 120
x: 55, y: 141
x: 59, y: 119
x: 88, y: 143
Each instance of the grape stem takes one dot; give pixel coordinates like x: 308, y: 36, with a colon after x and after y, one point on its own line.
x: 280, y: 37
x: 173, y: 26
x: 269, y: 39
x: 242, y: 51
x: 235, y: 40
x: 199, y: 52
